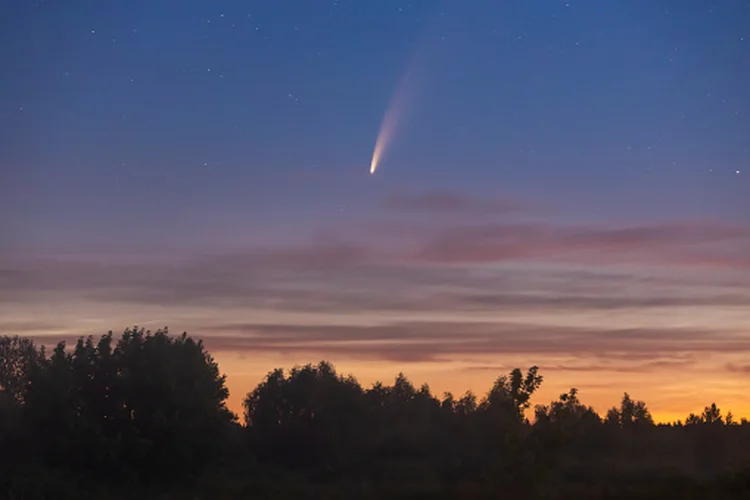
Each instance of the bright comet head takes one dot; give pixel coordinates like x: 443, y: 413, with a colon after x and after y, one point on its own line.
x: 383, y: 139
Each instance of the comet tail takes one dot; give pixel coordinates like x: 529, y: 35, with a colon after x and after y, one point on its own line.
x: 389, y: 124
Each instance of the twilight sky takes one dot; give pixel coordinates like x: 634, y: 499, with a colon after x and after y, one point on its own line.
x: 565, y: 184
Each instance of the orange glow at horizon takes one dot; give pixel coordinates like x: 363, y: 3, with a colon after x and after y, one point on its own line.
x: 669, y: 399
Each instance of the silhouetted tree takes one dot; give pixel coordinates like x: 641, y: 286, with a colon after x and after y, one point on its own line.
x: 510, y: 394
x: 17, y: 358
x: 712, y: 415
x: 568, y: 414
x: 630, y: 413
x: 174, y: 400
x: 151, y: 408
x: 312, y: 418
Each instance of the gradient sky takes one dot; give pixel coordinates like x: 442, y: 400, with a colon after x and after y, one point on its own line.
x: 567, y: 184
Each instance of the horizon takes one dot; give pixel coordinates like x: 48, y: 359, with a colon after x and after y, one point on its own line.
x: 564, y: 185
x: 543, y: 395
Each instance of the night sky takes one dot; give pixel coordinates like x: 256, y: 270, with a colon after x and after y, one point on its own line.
x: 561, y: 183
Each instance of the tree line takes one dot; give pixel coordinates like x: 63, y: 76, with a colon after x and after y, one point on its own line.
x: 144, y: 415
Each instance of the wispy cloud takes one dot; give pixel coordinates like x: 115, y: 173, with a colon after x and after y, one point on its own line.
x: 738, y: 368
x: 430, y: 341
x: 452, y: 201
x: 341, y: 280
x: 599, y: 297
x: 27, y: 327
x: 630, y: 366
x: 689, y: 243
x: 602, y: 291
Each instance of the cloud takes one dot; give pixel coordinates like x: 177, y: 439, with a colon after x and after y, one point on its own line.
x: 437, y: 341
x: 283, y: 283
x: 26, y: 327
x: 345, y: 278
x: 637, y: 350
x: 452, y: 202
x: 632, y: 366
x: 316, y: 255
x: 176, y: 279
x: 575, y: 302
x: 734, y: 368
x: 693, y: 243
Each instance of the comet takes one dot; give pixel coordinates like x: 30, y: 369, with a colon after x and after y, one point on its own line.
x: 394, y: 114
x: 389, y: 124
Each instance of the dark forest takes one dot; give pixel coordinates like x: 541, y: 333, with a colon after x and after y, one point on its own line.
x: 143, y: 415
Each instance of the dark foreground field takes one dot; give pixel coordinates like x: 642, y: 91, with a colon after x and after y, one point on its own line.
x: 144, y: 416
